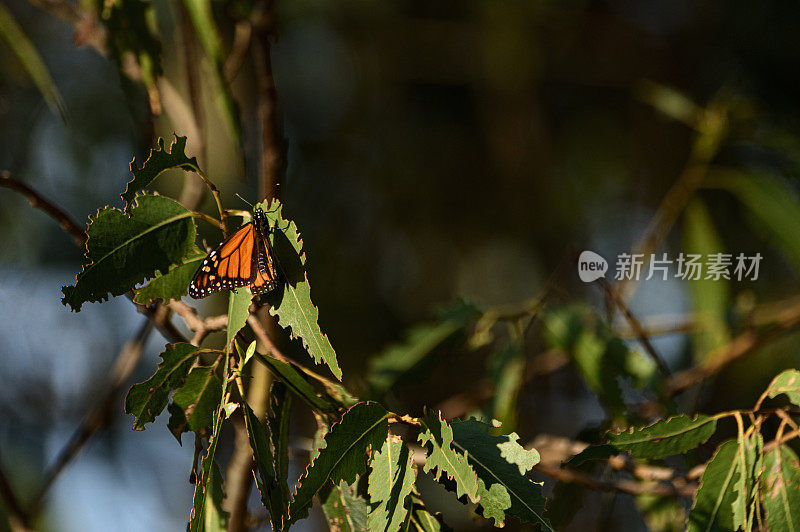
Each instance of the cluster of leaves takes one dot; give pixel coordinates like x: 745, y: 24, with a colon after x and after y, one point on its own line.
x: 363, y: 473
x: 747, y: 483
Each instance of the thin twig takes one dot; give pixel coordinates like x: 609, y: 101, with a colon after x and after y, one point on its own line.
x: 242, y: 35
x: 18, y: 517
x: 199, y: 326
x: 38, y: 201
x: 100, y: 414
x: 722, y: 357
x: 636, y: 326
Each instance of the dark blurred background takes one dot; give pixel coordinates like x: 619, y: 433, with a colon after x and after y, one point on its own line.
x: 434, y: 150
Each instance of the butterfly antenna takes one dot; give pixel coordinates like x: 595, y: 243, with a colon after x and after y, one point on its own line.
x: 244, y: 200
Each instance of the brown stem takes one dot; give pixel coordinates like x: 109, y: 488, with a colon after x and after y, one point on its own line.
x: 37, y: 201
x: 18, y: 517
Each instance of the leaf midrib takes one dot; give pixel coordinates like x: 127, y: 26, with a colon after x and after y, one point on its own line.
x: 168, y: 221
x: 508, y: 488
x: 667, y: 435
x: 339, y: 459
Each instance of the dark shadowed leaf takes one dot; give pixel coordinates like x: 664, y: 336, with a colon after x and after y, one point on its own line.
x: 664, y: 438
x: 291, y: 300
x: 780, y: 491
x: 216, y: 519
x: 593, y: 452
x: 713, y: 503
x: 390, y: 483
x: 443, y: 458
x: 174, y: 284
x: 363, y: 427
x: 501, y: 464
x: 199, y: 397
x: 420, y: 519
x: 272, y: 496
x: 278, y: 419
x: 787, y: 383
x: 199, y: 515
x: 296, y: 382
x: 567, y: 500
x: 148, y: 399
x: 159, y: 161
x: 423, y: 340
x: 125, y: 250
x: 507, y: 373
x: 344, y: 509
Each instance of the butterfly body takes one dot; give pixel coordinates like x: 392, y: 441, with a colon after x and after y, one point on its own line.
x: 244, y: 259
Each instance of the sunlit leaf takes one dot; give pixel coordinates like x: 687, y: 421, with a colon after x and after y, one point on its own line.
x: 501, y: 463
x: 344, y: 455
x: 444, y: 459
x: 420, y: 519
x: 390, y: 482
x: 148, y: 399
x: 30, y: 60
x: 124, y: 250
x: 781, y: 489
x: 788, y: 384
x: 713, y: 502
x: 174, y: 284
x: 159, y: 161
x: 216, y: 519
x: 291, y: 301
x: 664, y: 438
x: 198, y: 397
x: 344, y: 509
x: 238, y: 311
x: 747, y: 473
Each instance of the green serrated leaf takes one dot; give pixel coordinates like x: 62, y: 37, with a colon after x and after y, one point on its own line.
x: 344, y: 509
x: 31, y: 61
x: 278, y: 420
x: 787, y: 383
x: 780, y: 491
x: 363, y: 427
x: 148, y: 399
x: 124, y: 250
x: 199, y: 397
x: 437, y: 436
x: 238, y: 310
x: 423, y: 340
x: 713, y: 502
x: 746, y: 478
x: 666, y: 437
x: 296, y: 382
x: 174, y: 284
x: 390, y: 483
x: 291, y: 301
x: 159, y: 161
x: 267, y: 481
x: 197, y: 517
x: 501, y: 463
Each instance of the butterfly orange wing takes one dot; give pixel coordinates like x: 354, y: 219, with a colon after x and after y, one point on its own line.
x: 233, y: 264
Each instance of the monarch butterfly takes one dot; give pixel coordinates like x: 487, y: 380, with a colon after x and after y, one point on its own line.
x: 244, y: 259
